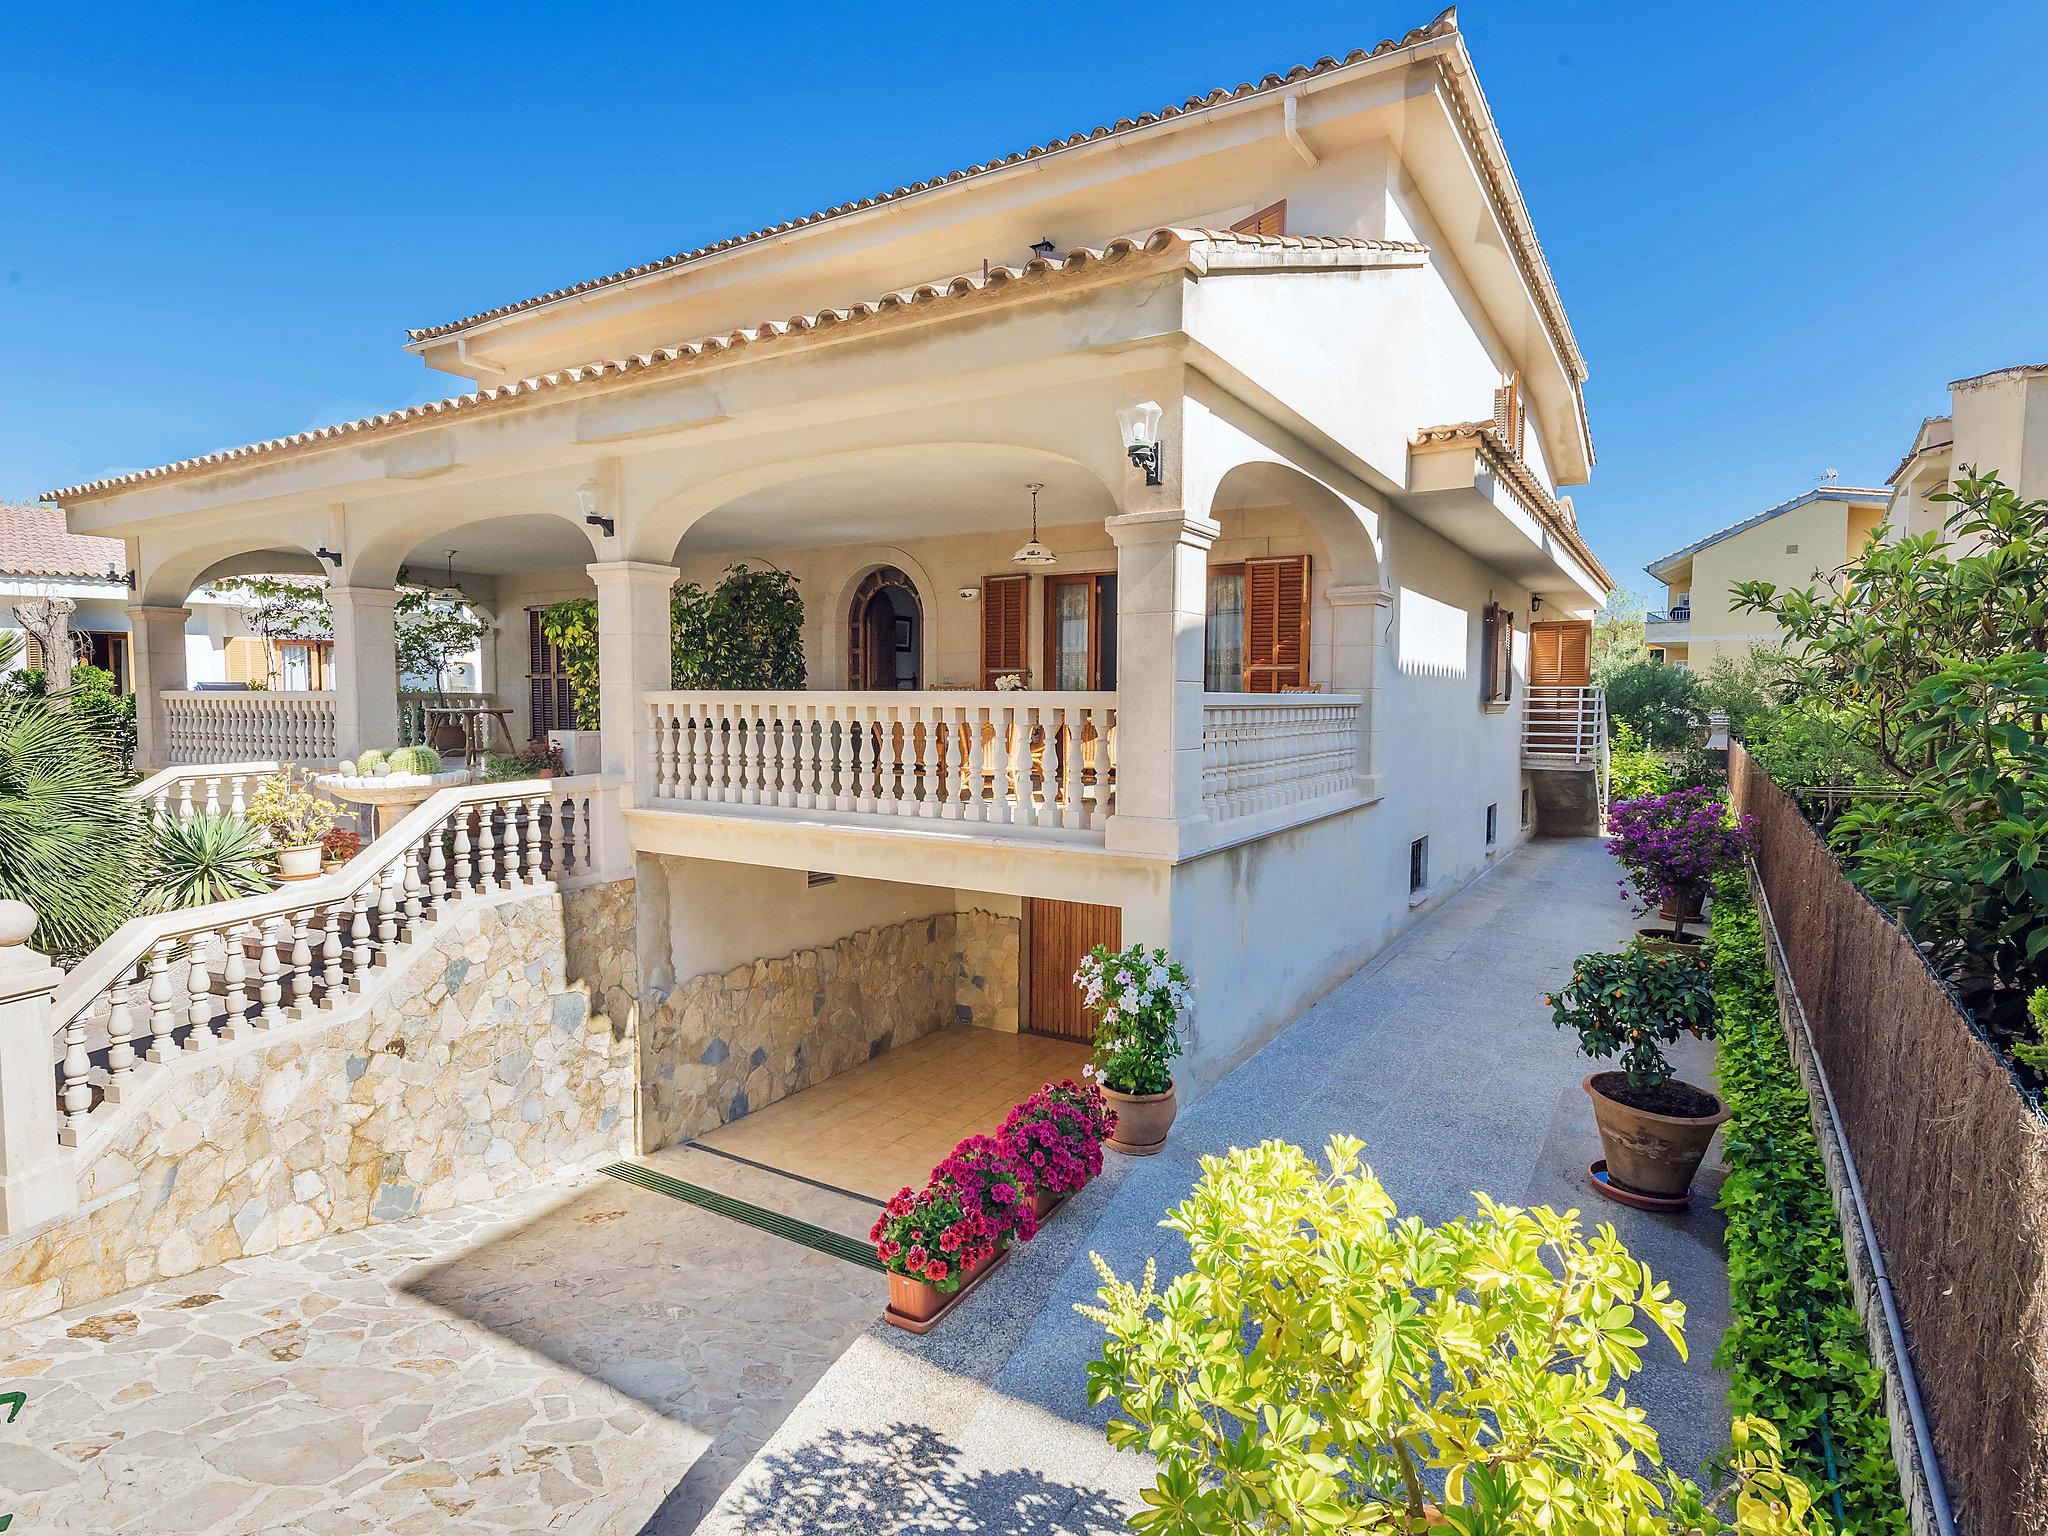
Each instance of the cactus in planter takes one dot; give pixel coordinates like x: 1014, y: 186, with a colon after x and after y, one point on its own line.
x: 420, y: 760
x: 368, y: 762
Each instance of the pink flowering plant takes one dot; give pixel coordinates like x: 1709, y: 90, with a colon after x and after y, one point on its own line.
x: 992, y: 1182
x: 932, y: 1235
x: 1673, y: 845
x: 1058, y: 1134
x: 1137, y: 996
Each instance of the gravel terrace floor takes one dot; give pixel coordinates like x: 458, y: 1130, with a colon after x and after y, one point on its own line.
x: 595, y: 1358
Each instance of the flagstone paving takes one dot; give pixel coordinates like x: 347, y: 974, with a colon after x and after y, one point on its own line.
x: 593, y: 1357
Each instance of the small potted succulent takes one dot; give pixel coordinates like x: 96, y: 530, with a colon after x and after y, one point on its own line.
x: 1138, y: 996
x: 933, y: 1246
x: 338, y: 847
x: 1672, y: 846
x: 294, y: 819
x: 1058, y: 1134
x: 1654, y: 1128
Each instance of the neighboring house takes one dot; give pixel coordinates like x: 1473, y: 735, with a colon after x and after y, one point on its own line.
x: 1790, y: 545
x: 1234, y: 431
x: 41, y: 557
x: 1997, y: 423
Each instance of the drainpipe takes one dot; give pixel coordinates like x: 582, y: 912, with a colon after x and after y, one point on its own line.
x: 1290, y: 126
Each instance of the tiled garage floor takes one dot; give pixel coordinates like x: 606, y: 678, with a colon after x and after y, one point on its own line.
x: 885, y: 1123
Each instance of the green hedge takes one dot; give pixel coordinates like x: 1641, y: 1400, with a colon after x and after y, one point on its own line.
x: 1796, y: 1353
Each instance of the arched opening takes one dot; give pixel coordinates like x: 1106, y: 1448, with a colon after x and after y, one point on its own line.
x: 885, y: 634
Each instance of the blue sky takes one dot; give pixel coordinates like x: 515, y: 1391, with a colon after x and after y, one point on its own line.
x: 1779, y: 230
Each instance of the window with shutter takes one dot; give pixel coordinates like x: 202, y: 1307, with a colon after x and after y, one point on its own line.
x: 1003, y: 601
x: 1499, y: 672
x: 1276, y: 624
x: 1509, y: 413
x: 551, y: 697
x: 1267, y: 221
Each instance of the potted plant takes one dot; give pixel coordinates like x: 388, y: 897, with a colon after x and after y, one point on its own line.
x: 1138, y: 996
x: 933, y: 1246
x: 294, y: 819
x: 1653, y: 1127
x: 1057, y: 1134
x: 338, y: 847
x: 1671, y: 846
x: 1327, y: 1366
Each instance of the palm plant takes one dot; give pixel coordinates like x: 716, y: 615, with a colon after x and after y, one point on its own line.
x: 204, y: 859
x: 71, y: 838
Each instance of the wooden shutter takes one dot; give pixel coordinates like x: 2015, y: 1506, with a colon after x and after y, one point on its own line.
x: 550, y: 697
x: 1002, y: 627
x: 1060, y: 934
x: 246, y: 660
x: 1500, y: 654
x: 1508, y: 412
x: 35, y: 661
x: 1276, y: 624
x: 1267, y: 221
x: 1561, y: 654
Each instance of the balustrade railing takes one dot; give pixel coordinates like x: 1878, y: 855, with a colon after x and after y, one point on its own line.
x: 205, y: 726
x: 1264, y: 752
x: 218, y: 789
x: 184, y: 982
x: 1042, y: 761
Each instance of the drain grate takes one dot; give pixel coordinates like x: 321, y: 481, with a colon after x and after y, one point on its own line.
x: 772, y: 1222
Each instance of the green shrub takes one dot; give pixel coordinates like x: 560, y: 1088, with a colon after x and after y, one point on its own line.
x: 202, y: 859
x: 1633, y: 769
x: 72, y: 841
x: 1329, y: 1366
x: 1634, y: 1002
x: 421, y: 760
x: 1796, y: 1348
x: 1661, y: 704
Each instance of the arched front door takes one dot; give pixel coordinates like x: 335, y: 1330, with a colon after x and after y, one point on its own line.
x: 885, y: 633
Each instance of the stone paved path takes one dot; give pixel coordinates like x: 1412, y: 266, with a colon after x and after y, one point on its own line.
x: 572, y: 1360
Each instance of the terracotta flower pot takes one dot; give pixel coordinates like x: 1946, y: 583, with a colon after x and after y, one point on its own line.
x: 1044, y: 1202
x: 1650, y: 1153
x: 1686, y: 907
x: 916, y: 1301
x: 1142, y: 1120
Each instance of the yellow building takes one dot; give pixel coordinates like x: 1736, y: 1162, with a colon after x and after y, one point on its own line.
x: 1791, y: 545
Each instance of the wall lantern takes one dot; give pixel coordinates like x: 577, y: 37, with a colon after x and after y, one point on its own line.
x: 1043, y: 248
x: 1535, y: 602
x: 1140, y: 424
x: 1033, y: 553
x: 587, y: 495
x: 331, y: 556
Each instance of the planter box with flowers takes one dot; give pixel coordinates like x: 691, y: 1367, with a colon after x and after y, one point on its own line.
x: 1057, y: 1134
x: 1672, y: 846
x: 940, y: 1242
x: 1138, y: 996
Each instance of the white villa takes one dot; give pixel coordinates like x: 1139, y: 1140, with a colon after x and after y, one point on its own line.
x: 1302, y: 648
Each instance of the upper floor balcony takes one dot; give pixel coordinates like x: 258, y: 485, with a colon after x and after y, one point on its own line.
x: 1666, y: 626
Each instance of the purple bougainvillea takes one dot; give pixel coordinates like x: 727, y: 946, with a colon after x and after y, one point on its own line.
x: 1672, y: 845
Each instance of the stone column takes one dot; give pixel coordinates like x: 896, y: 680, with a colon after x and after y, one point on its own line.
x: 1358, y: 615
x: 632, y: 659
x: 156, y: 661
x: 365, y: 668
x: 1162, y: 584
x: 34, y: 1183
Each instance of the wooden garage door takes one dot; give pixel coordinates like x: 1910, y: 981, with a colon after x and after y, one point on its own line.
x: 1062, y: 932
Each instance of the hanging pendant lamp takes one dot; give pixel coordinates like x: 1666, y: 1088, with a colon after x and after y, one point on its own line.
x: 1033, y: 553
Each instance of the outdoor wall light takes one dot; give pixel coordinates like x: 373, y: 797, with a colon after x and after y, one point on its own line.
x: 331, y: 556
x: 1033, y: 553
x: 587, y: 501
x: 1535, y: 602
x: 1043, y: 248
x: 1140, y: 425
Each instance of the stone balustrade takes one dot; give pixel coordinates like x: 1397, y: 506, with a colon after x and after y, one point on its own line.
x: 1037, y: 762
x: 210, y: 726
x: 1263, y: 753
x: 218, y: 789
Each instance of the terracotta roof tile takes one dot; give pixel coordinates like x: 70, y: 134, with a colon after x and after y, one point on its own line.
x: 1443, y: 25
x: 1166, y: 242
x: 35, y: 542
